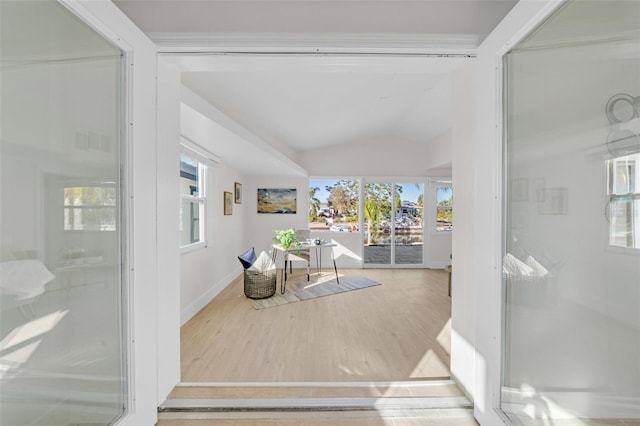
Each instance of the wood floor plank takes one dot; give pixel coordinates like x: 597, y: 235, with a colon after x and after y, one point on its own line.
x: 397, y: 331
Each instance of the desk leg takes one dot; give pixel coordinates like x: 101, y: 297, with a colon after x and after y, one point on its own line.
x: 335, y: 268
x: 318, y: 261
x: 283, y: 285
x: 283, y: 277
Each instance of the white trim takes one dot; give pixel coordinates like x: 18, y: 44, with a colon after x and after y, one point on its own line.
x: 599, y: 404
x: 438, y: 264
x: 377, y: 403
x: 195, y: 306
x: 425, y: 44
x: 199, y: 152
x: 417, y: 383
x: 193, y: 247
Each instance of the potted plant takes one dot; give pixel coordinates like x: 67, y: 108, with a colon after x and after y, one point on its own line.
x: 286, y: 238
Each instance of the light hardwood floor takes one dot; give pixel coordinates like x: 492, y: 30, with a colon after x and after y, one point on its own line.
x: 397, y: 331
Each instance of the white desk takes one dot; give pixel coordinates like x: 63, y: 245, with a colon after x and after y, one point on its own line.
x: 304, y: 246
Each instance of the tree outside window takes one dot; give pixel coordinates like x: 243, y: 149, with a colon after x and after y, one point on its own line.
x: 444, y: 208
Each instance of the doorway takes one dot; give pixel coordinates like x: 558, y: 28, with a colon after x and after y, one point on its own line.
x: 393, y: 231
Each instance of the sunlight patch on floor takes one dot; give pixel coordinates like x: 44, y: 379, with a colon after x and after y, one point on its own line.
x: 429, y: 363
x: 444, y: 337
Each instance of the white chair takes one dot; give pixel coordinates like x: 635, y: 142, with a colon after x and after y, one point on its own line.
x: 300, y: 255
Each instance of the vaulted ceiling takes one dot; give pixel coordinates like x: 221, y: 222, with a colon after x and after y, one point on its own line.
x: 308, y: 74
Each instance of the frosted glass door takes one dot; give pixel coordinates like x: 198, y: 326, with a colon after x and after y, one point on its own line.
x: 62, y: 350
x: 572, y: 192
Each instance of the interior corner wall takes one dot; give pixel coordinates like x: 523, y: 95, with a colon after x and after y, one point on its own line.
x: 439, y: 153
x: 205, y: 272
x: 462, y: 291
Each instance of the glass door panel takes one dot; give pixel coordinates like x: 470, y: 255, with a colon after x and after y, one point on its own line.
x: 393, y: 224
x: 378, y: 223
x: 409, y: 232
x: 571, y: 254
x: 62, y: 344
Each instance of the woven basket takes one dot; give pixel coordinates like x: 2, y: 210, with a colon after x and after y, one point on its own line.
x: 260, y: 284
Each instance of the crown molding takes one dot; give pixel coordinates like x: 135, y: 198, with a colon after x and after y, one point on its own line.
x: 316, y: 43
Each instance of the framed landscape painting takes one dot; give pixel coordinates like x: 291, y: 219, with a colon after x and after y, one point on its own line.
x: 228, y: 203
x: 237, y: 193
x: 277, y: 200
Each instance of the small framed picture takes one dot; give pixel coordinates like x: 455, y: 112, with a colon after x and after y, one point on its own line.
x: 228, y: 203
x: 237, y: 194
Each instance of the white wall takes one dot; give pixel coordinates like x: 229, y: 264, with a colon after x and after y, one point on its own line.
x: 462, y: 291
x: 378, y: 157
x: 439, y: 152
x: 207, y: 271
x: 260, y: 226
x: 168, y: 236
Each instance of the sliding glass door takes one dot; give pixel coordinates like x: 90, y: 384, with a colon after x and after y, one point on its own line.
x: 571, y: 350
x: 393, y: 224
x: 62, y: 340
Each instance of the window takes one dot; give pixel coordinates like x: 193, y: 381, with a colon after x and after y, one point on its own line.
x: 90, y: 208
x: 193, y: 198
x: 333, y: 205
x: 444, y: 208
x: 623, y: 212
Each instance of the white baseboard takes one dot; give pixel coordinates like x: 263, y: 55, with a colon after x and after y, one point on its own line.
x: 208, y: 296
x: 439, y: 264
x: 570, y: 404
x: 463, y: 388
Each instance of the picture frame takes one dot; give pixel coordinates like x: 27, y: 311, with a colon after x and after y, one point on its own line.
x: 277, y: 200
x: 228, y: 203
x: 237, y: 193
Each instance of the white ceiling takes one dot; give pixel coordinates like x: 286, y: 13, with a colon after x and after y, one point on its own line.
x: 324, y: 91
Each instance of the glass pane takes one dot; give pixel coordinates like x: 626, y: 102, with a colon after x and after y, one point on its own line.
x: 333, y: 205
x: 189, y: 176
x: 408, y: 223
x: 190, y: 213
x: 377, y: 223
x: 444, y: 208
x: 571, y: 263
x: 90, y: 208
x: 62, y: 345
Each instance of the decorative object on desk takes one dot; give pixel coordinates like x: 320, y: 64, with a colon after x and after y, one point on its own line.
x: 318, y: 241
x: 237, y: 193
x: 286, y: 238
x: 298, y: 290
x: 277, y: 200
x: 260, y: 276
x: 228, y: 203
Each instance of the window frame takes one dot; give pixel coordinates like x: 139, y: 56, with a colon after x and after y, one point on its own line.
x: 630, y: 195
x: 359, y: 223
x: 93, y: 184
x: 187, y: 149
x: 435, y: 184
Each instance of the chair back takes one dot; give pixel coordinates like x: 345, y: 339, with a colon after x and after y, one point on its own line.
x: 303, y: 234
